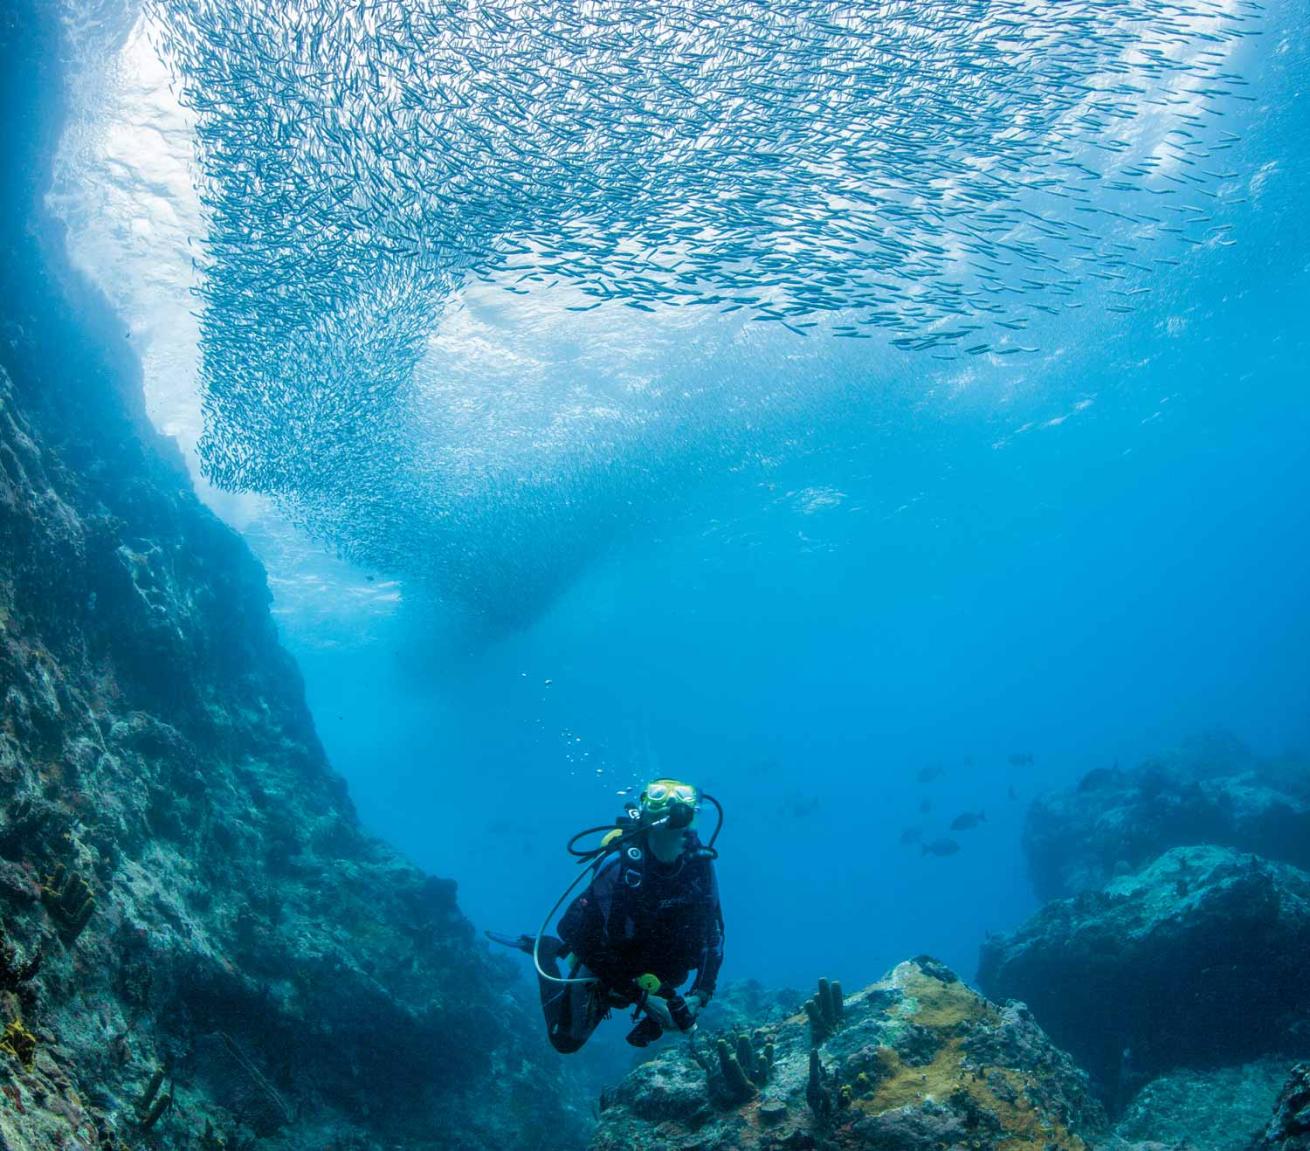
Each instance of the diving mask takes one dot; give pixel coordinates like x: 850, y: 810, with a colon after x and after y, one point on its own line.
x: 670, y: 800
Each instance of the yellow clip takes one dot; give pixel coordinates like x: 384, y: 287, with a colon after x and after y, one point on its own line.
x: 648, y: 983
x: 611, y: 836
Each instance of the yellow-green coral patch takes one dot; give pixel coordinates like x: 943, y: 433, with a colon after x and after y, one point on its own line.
x: 941, y: 1006
x: 952, y: 1010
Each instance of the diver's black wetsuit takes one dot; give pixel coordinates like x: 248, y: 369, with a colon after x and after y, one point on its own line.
x: 649, y: 917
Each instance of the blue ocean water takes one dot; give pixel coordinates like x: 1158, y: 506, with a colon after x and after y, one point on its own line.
x: 535, y: 321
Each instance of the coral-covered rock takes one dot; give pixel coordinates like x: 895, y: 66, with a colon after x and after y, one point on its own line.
x: 1201, y: 958
x: 1289, y: 1129
x: 1213, y: 790
x: 918, y: 1060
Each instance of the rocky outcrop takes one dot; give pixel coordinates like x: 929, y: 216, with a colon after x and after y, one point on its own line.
x: 197, y: 934
x: 1218, y: 1109
x: 1213, y: 790
x: 1158, y: 959
x: 1289, y: 1129
x: 917, y: 1060
x: 1201, y: 958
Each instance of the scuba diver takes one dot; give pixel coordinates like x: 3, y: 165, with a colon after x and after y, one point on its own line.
x: 648, y: 917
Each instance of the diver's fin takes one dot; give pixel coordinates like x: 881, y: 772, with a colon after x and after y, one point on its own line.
x: 522, y: 943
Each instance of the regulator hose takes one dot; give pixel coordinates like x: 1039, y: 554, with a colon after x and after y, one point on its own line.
x: 545, y: 923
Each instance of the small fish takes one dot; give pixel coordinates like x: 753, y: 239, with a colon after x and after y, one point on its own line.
x: 925, y: 806
x: 929, y: 773
x: 941, y: 847
x: 363, y: 160
x: 1021, y: 759
x: 967, y: 820
x: 798, y: 806
x: 911, y: 835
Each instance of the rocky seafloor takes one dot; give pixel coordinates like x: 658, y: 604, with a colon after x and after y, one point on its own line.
x: 1173, y: 960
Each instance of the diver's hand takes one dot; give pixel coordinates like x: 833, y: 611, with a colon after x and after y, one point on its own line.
x: 696, y: 1001
x: 694, y: 1006
x: 658, y: 1009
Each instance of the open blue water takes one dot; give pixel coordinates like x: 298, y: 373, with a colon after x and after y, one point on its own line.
x: 517, y: 339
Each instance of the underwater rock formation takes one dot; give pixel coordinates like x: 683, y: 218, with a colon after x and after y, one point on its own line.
x: 1212, y: 790
x: 1289, y: 1129
x: 1212, y: 1110
x: 196, y: 929
x: 1201, y: 958
x: 917, y: 1060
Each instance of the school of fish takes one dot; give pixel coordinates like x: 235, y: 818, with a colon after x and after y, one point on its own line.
x: 938, y: 173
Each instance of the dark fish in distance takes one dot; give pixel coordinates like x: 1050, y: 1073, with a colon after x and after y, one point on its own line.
x: 941, y: 847
x: 1021, y: 759
x: 967, y: 820
x: 798, y: 806
x: 911, y: 835
x: 925, y: 806
x: 929, y: 773
x: 506, y: 826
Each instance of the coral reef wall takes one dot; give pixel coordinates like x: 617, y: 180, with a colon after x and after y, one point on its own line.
x: 199, y: 947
